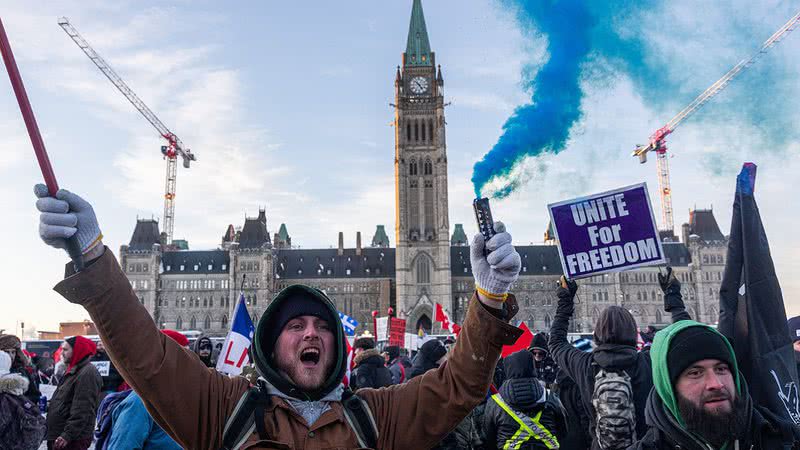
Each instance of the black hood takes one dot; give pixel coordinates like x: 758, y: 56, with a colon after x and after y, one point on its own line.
x: 519, y: 365
x: 420, y: 365
x: 522, y: 393
x: 615, y: 356
x: 262, y: 356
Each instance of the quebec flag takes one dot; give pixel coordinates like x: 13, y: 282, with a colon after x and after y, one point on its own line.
x: 234, y: 352
x: 348, y: 323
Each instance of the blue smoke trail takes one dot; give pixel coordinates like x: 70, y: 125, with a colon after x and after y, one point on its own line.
x: 544, y: 124
x: 606, y: 37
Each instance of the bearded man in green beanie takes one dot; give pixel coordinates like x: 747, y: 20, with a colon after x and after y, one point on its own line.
x: 700, y: 400
x: 299, y: 350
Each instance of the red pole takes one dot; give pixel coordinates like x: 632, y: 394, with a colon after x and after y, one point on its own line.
x: 73, y: 248
x: 27, y: 113
x: 375, y: 324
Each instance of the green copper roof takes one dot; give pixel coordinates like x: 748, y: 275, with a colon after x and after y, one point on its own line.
x: 459, y: 236
x: 418, y: 49
x: 380, y: 239
x: 282, y: 233
x: 181, y: 244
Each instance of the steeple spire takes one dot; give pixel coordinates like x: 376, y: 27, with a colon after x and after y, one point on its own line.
x: 418, y: 49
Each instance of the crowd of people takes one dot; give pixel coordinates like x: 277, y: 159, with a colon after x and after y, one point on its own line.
x: 677, y: 388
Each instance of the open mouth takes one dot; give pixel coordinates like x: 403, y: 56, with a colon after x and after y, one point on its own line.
x: 309, y: 357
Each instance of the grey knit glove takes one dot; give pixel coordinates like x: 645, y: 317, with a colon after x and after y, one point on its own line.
x: 64, y: 216
x: 494, y: 273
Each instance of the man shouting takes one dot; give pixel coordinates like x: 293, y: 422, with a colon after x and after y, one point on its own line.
x: 298, y: 349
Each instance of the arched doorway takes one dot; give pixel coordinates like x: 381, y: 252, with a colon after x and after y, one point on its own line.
x: 424, y: 322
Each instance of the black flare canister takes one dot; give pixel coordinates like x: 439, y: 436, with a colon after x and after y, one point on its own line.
x: 483, y: 216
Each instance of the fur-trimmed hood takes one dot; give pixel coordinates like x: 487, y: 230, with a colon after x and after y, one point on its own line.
x: 13, y: 384
x: 366, y: 354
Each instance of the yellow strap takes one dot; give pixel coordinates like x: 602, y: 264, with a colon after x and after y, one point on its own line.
x: 541, y: 433
x: 489, y: 295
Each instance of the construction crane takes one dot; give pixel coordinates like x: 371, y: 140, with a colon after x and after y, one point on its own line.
x: 170, y: 152
x: 658, y: 139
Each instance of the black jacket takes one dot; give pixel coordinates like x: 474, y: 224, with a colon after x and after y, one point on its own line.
x: 113, y: 380
x: 582, y: 367
x: 524, y: 395
x: 765, y: 431
x: 578, y: 437
x: 420, y: 365
x: 546, y: 370
x: 72, y: 411
x: 370, y: 371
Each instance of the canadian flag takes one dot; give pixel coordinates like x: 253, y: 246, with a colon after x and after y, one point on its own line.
x: 349, y: 364
x: 442, y: 317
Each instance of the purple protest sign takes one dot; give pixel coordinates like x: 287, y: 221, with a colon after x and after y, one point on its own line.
x: 606, y: 232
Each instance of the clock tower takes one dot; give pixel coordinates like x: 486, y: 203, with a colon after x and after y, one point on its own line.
x: 422, y: 224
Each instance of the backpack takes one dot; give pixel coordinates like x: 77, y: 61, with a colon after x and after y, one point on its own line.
x: 615, y: 414
x: 102, y: 432
x: 248, y: 416
x: 26, y: 427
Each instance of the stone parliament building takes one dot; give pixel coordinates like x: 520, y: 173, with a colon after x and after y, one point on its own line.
x: 197, y: 290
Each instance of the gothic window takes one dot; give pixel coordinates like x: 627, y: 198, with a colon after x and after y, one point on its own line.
x: 658, y: 316
x: 423, y: 132
x: 255, y: 299
x: 183, y: 302
x: 179, y: 323
x: 423, y: 270
x: 429, y: 219
x: 408, y: 131
x: 224, y: 322
x: 205, y: 302
x: 547, y: 321
x: 412, y: 167
x: 207, y: 322
x: 430, y: 129
x: 416, y: 130
x: 428, y: 167
x: 192, y: 323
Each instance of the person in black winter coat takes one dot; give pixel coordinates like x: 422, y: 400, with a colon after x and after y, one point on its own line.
x: 370, y: 371
x: 546, y: 368
x: 525, y: 396
x: 430, y: 356
x: 615, y: 334
x: 203, y: 347
x: 112, y: 380
x: 568, y: 392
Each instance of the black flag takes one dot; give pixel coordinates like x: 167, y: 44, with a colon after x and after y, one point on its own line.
x: 752, y: 314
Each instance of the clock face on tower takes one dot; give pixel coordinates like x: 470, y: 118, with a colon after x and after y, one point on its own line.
x: 419, y: 85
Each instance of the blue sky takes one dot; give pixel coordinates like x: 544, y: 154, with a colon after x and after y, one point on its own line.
x: 286, y: 105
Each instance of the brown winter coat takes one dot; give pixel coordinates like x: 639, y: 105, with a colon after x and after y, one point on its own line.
x: 192, y: 402
x: 72, y: 411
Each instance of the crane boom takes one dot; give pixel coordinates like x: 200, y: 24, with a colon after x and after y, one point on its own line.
x: 723, y: 82
x: 657, y: 142
x: 170, y: 151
